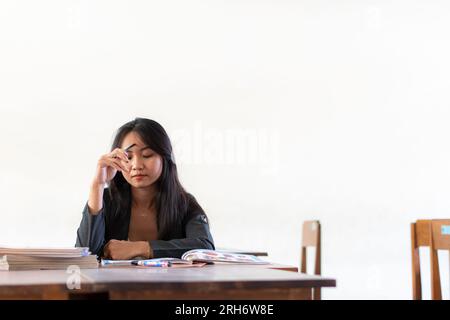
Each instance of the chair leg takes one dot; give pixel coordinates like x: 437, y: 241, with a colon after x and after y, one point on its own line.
x: 317, y: 294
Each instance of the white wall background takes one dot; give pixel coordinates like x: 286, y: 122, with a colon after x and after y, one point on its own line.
x: 333, y: 110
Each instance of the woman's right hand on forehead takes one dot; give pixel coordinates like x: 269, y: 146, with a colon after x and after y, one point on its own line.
x: 109, y: 164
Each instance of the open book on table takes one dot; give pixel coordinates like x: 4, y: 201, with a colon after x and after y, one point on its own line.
x: 216, y: 256
x: 196, y: 257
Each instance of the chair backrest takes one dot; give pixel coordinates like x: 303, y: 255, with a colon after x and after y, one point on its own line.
x: 311, y: 237
x: 434, y: 234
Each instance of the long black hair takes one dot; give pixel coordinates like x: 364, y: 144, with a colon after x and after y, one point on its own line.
x: 171, y: 200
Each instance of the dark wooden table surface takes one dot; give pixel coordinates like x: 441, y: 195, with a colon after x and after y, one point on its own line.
x: 207, y: 282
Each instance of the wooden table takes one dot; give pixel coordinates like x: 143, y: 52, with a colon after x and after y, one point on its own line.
x: 207, y: 282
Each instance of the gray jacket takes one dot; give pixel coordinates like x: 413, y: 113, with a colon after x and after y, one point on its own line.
x: 96, y: 230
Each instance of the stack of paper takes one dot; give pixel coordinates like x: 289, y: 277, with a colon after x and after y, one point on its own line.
x: 46, y: 258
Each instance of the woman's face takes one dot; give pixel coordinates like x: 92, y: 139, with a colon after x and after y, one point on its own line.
x: 145, y: 164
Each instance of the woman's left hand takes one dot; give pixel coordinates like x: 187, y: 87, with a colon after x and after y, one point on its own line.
x: 125, y: 250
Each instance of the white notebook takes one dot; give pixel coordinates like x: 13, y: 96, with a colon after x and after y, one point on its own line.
x: 46, y: 252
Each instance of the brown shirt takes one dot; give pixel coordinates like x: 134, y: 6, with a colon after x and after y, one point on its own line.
x: 143, y: 225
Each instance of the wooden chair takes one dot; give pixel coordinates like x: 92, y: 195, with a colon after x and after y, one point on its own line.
x: 434, y: 234
x: 311, y: 237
